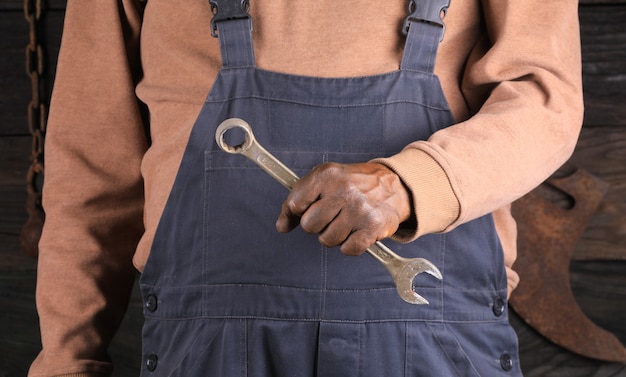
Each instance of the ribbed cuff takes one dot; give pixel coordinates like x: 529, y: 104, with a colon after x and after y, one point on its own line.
x: 435, y: 205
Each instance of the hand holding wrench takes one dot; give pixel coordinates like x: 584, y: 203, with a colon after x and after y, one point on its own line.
x: 402, y: 270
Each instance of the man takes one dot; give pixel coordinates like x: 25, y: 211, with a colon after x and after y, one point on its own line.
x: 346, y: 95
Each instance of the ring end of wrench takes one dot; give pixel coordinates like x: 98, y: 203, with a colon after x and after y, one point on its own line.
x: 228, y: 125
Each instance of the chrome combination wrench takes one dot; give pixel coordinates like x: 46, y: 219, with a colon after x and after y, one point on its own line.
x: 402, y: 270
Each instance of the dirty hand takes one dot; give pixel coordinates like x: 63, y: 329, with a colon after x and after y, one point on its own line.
x: 352, y: 205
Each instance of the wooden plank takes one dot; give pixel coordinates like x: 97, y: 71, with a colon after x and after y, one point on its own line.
x: 18, y: 5
x: 602, y: 152
x: 603, y: 36
x: 19, y: 328
x: 541, y: 358
x: 600, y: 289
x: 14, y: 163
x: 14, y: 159
x: 12, y: 217
x: 14, y: 81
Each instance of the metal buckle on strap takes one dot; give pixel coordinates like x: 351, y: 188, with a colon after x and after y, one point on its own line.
x: 430, y: 11
x: 224, y: 10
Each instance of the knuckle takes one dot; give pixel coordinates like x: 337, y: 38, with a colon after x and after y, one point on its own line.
x: 354, y: 251
x: 376, y: 220
x: 366, y: 217
x: 357, y: 243
x: 307, y: 225
x: 329, y: 167
x: 292, y: 207
x: 326, y: 241
x: 350, y: 249
x: 328, y: 170
x: 353, y: 192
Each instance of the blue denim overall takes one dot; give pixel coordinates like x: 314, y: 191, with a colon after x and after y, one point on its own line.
x: 226, y: 295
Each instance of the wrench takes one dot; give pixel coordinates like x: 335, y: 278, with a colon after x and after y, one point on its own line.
x: 402, y: 270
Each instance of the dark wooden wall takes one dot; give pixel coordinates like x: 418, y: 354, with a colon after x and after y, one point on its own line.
x: 598, y: 271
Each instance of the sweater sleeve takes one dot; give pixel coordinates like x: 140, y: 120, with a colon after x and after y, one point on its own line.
x: 92, y: 196
x: 523, y: 82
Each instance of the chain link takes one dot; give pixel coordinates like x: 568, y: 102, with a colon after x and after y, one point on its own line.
x: 37, y: 113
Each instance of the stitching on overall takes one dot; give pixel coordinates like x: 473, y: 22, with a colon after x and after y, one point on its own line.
x: 324, y: 277
x: 244, y: 347
x: 406, y: 349
x: 458, y: 347
x: 359, y: 356
x: 195, y: 364
x: 368, y: 104
x: 324, y: 268
x: 205, y: 238
x: 442, y: 268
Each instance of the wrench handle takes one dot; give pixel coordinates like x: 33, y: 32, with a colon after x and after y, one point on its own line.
x: 382, y: 253
x: 272, y: 166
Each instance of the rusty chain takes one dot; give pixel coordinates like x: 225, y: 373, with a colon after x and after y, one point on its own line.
x: 37, y: 117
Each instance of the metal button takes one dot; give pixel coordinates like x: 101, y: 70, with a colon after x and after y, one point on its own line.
x: 151, y: 303
x: 498, y: 307
x: 151, y: 362
x: 506, y: 362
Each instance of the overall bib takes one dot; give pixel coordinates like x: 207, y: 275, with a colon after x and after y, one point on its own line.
x: 226, y: 295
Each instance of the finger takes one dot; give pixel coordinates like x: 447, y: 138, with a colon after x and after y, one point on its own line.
x: 336, y: 232
x: 320, y: 214
x: 357, y: 242
x: 287, y: 220
x: 373, y: 228
x: 304, y: 194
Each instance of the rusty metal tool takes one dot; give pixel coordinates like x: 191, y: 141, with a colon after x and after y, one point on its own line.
x: 547, y: 237
x: 402, y: 270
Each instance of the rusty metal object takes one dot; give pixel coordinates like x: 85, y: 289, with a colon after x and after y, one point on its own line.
x: 547, y: 236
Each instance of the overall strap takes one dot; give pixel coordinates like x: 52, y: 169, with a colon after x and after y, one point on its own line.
x: 232, y: 25
x: 424, y: 29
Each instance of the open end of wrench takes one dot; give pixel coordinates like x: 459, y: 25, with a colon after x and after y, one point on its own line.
x: 228, y: 125
x: 404, y: 279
